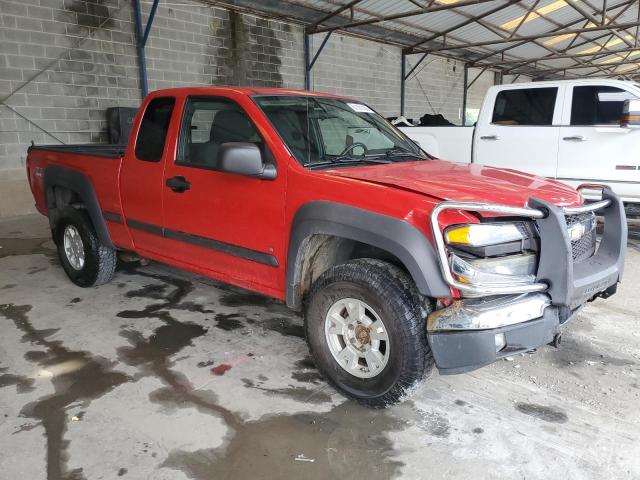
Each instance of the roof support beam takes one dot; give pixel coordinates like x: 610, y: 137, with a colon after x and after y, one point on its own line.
x: 399, y: 16
x: 557, y: 57
x: 624, y: 6
x: 558, y: 31
x: 337, y: 11
x: 530, y: 38
x: 576, y: 67
x: 460, y: 25
x: 595, y: 21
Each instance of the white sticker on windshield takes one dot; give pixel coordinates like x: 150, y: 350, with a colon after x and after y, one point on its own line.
x: 360, y: 108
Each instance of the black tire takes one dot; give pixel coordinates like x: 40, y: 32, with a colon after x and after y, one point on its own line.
x: 392, y: 294
x: 99, y: 260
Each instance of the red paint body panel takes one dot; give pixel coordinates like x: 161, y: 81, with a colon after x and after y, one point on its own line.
x: 258, y: 214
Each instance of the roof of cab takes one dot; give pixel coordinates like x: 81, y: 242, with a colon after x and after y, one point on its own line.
x: 212, y: 90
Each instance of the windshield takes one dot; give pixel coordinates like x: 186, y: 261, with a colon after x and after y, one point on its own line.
x: 329, y: 132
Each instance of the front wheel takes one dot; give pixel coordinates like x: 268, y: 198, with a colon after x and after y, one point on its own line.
x: 86, y: 261
x: 365, y: 328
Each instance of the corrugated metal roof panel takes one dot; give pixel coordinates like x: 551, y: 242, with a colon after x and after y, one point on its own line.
x: 547, y: 16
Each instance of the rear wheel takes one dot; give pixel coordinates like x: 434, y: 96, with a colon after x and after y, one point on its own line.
x: 366, y: 331
x: 86, y: 261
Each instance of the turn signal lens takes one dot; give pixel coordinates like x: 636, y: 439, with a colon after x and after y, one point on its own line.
x: 485, y: 234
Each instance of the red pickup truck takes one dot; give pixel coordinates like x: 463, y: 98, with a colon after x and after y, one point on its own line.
x: 399, y: 261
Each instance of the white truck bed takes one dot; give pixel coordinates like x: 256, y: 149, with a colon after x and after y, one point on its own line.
x: 448, y: 143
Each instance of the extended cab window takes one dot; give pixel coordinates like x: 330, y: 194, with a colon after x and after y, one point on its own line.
x: 525, y: 106
x: 153, y: 129
x: 597, y: 105
x: 207, y: 124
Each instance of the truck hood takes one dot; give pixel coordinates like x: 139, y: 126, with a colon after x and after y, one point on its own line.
x: 465, y: 182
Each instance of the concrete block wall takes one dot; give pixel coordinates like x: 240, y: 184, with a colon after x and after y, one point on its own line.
x: 63, y: 62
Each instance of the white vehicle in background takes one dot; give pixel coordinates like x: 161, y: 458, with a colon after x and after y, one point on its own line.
x: 570, y: 130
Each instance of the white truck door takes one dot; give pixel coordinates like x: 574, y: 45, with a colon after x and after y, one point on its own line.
x: 519, y: 129
x: 593, y: 146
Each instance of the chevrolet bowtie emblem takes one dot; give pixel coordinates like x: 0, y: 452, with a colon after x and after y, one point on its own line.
x: 577, y: 231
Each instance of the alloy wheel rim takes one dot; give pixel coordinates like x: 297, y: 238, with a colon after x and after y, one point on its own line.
x: 357, y: 338
x: 73, y: 247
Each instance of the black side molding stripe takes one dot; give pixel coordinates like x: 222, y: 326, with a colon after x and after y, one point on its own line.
x: 112, y: 217
x: 145, y: 227
x: 209, y: 243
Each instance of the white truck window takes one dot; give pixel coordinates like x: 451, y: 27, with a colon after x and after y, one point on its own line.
x: 525, y: 106
x: 597, y: 105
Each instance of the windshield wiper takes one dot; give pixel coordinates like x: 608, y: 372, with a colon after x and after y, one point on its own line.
x: 346, y: 160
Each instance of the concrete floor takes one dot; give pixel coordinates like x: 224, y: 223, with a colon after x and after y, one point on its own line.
x: 165, y: 375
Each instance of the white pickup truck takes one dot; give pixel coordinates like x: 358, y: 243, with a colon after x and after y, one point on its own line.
x: 570, y: 130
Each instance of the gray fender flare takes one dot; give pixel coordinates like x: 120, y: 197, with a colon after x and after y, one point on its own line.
x: 393, y: 235
x: 57, y: 176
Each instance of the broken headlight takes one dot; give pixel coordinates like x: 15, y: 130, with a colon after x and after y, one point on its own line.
x: 493, y: 253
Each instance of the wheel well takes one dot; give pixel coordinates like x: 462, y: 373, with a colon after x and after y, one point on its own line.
x: 58, y: 198
x: 320, y: 252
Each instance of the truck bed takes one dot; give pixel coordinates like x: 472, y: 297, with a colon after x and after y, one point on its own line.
x: 448, y: 143
x: 100, y: 150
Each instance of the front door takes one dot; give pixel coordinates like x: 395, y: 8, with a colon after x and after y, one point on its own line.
x: 593, y: 146
x: 521, y: 132
x: 227, y: 224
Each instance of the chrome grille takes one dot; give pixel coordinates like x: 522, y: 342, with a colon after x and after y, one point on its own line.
x: 585, y: 246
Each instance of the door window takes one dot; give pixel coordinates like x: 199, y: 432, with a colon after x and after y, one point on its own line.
x: 598, y: 105
x: 525, y: 106
x: 206, y: 125
x: 153, y: 129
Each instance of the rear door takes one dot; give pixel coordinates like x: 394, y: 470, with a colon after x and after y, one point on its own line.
x: 227, y: 224
x: 593, y: 146
x: 520, y: 130
x: 142, y: 174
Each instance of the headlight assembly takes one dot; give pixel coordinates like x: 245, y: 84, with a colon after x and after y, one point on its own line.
x: 492, y: 239
x: 508, y: 270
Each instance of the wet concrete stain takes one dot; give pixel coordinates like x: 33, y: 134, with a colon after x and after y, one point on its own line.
x: 228, y: 321
x: 241, y: 298
x: 300, y: 394
x: 208, y: 363
x: 575, y: 350
x: 221, y: 369
x: 27, y: 246
x: 431, y: 422
x: 478, y: 430
x: 8, y: 286
x: 460, y: 403
x: 77, y: 376
x: 349, y: 440
x: 305, y: 364
x: 313, y: 377
x: 285, y: 326
x: 548, y: 414
x: 34, y: 270
x: 173, y: 300
x: 23, y: 384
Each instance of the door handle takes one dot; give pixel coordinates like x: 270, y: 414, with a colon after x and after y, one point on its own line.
x: 489, y: 137
x: 575, y: 138
x: 178, y: 184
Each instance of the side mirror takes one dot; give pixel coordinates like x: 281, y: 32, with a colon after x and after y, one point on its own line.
x: 244, y: 159
x: 630, y: 114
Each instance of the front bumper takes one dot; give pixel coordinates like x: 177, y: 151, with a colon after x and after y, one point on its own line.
x: 463, y: 336
x: 525, y: 322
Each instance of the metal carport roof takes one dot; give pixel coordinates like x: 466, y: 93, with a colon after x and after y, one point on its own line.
x: 538, y: 38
